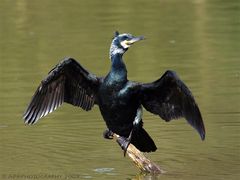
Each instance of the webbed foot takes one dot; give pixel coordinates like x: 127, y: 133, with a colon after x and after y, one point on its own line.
x: 124, y: 143
x: 108, y: 134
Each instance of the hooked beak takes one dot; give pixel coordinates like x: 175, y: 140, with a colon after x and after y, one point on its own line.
x: 135, y: 39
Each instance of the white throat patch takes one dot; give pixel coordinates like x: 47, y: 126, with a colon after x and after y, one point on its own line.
x: 125, y: 44
x: 115, y: 50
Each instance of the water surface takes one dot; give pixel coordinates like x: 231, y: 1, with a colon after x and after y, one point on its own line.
x: 199, y: 39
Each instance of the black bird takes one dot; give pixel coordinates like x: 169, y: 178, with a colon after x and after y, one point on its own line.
x: 120, y: 100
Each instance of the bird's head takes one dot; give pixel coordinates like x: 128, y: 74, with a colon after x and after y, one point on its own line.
x: 121, y: 42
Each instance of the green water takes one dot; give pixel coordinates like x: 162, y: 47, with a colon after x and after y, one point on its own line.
x: 199, y: 39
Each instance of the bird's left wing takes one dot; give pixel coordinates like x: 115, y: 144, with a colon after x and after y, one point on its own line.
x: 170, y: 98
x: 67, y: 82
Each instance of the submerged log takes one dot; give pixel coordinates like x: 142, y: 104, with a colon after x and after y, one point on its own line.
x: 140, y: 160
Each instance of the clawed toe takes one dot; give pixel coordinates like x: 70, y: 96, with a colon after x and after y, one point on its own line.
x: 124, y: 143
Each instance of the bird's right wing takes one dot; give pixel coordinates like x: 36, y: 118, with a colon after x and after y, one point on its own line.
x: 67, y: 82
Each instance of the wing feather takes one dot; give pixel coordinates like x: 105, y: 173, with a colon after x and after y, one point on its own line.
x: 66, y: 82
x: 170, y: 98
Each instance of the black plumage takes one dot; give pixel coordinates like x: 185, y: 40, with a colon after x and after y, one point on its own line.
x: 120, y: 100
x: 170, y: 98
x: 67, y: 82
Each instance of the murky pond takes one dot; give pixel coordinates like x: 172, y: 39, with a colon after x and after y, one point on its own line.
x: 199, y: 39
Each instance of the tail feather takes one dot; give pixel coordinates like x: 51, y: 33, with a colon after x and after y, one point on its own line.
x: 142, y: 141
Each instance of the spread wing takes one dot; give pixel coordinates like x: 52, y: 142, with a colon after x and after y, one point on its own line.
x: 67, y: 82
x: 170, y: 98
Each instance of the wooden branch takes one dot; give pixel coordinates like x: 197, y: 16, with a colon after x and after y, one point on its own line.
x: 140, y: 160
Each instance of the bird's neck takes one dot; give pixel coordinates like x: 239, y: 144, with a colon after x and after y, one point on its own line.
x: 118, y: 70
x: 117, y: 62
x: 115, y: 55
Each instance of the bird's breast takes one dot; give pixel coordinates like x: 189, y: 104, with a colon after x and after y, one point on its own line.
x: 118, y: 104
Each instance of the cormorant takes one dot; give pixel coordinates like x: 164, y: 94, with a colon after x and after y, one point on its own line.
x: 120, y: 100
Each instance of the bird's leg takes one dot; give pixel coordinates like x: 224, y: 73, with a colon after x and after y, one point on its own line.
x: 138, y: 118
x: 124, y: 142
x: 108, y: 134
